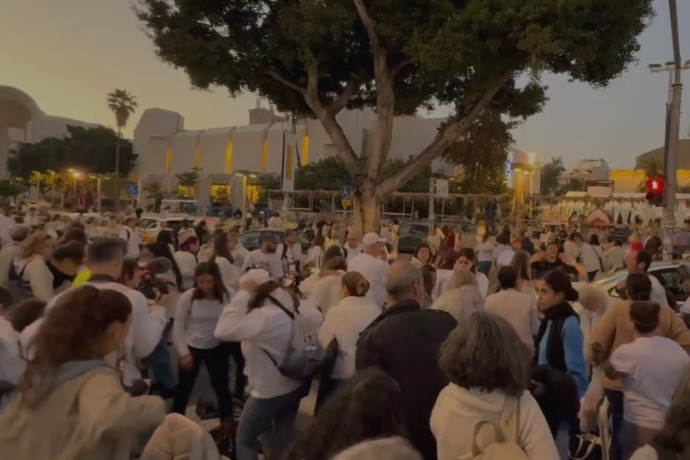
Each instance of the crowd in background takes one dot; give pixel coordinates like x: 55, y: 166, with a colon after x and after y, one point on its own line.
x: 503, y: 348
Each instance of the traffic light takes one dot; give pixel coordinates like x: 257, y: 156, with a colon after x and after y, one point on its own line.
x: 655, y: 191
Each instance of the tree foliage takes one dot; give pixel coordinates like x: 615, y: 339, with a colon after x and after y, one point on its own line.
x: 483, y: 153
x: 551, y: 173
x: 9, y: 189
x: 91, y: 150
x: 318, y: 57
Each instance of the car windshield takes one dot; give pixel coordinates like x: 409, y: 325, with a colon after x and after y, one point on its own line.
x: 415, y: 230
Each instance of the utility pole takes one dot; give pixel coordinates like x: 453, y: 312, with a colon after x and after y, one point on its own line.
x: 675, y: 69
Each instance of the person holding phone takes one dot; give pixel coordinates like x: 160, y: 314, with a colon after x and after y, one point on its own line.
x: 551, y: 259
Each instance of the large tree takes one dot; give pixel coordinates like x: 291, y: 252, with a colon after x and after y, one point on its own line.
x: 91, y: 150
x: 551, y: 173
x: 319, y: 57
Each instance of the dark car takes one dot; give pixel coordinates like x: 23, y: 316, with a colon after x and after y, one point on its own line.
x: 251, y: 239
x: 621, y: 234
x: 411, y: 236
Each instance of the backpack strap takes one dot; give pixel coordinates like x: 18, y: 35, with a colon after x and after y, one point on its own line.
x: 498, y: 436
x: 278, y: 304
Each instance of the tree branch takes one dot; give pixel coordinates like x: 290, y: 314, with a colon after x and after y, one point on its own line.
x: 285, y: 82
x: 326, y: 116
x: 395, y: 69
x: 369, y: 24
x: 450, y: 134
x: 341, y: 101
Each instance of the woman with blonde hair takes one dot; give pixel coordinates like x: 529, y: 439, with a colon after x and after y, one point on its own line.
x: 29, y: 273
x: 71, y: 403
x: 345, y: 322
x: 489, y: 371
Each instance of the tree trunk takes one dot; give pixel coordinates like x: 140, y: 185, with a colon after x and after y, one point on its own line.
x: 367, y: 206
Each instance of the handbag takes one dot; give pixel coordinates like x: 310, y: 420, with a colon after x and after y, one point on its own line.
x: 585, y: 447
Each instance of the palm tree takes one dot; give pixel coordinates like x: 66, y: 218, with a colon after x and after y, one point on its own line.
x: 152, y: 190
x: 122, y: 103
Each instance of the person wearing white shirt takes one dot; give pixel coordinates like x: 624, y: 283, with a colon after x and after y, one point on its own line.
x: 291, y: 253
x: 221, y: 255
x: 275, y: 221
x: 10, y: 251
x: 467, y: 262
x: 352, y: 245
x: 29, y: 274
x: 266, y: 257
x: 32, y: 219
x: 196, y: 316
x: 488, y: 382
x: 105, y: 258
x: 650, y: 369
x: 372, y: 267
x: 238, y: 251
x: 485, y: 255
x: 129, y: 234
x: 345, y: 322
x: 516, y: 307
x: 259, y: 317
x: 640, y: 263
x: 615, y: 257
x: 11, y: 363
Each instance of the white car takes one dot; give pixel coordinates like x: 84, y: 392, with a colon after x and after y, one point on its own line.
x: 151, y: 225
x: 668, y: 273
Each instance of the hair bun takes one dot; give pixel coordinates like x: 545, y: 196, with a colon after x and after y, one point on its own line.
x: 572, y: 295
x: 362, y: 287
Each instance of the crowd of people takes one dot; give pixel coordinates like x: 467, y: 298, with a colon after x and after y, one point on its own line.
x: 459, y: 353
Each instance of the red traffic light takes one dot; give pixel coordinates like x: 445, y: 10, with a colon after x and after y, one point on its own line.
x: 655, y: 185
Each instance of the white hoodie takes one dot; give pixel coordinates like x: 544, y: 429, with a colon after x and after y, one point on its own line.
x: 458, y: 407
x: 264, y: 330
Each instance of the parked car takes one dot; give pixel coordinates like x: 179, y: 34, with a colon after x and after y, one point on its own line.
x: 670, y: 275
x: 151, y: 225
x: 411, y: 236
x: 621, y: 234
x: 251, y: 239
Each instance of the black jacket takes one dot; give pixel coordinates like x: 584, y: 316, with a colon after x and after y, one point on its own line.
x: 404, y: 341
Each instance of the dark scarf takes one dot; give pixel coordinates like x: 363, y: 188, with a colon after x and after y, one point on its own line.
x: 555, y: 352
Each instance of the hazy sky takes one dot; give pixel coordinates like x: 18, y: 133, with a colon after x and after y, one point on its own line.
x: 67, y: 54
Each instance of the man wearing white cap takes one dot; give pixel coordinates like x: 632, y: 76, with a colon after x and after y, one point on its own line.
x: 370, y: 265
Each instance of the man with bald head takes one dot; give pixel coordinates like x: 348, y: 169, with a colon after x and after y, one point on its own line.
x: 404, y: 341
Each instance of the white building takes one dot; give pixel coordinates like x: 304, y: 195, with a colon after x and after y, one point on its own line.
x: 21, y: 120
x: 165, y: 148
x: 589, y: 170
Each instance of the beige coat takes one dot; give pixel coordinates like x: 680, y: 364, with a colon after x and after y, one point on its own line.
x: 89, y: 417
x: 180, y: 438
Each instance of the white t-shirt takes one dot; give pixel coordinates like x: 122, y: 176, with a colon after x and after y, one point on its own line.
x: 269, y: 262
x: 658, y: 294
x: 133, y: 240
x: 485, y: 252
x: 482, y: 283
x: 653, y: 367
x: 374, y: 270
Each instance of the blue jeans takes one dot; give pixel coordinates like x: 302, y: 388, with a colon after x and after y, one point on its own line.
x: 484, y: 267
x: 271, y: 420
x: 160, y: 363
x: 615, y: 399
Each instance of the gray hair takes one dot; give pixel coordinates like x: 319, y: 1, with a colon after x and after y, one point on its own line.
x: 401, y: 277
x: 380, y: 449
x: 461, y: 278
x: 460, y: 302
x: 484, y: 352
